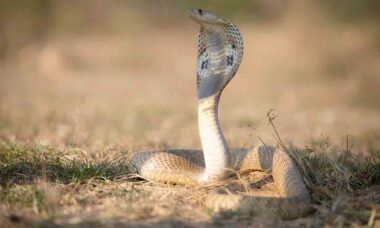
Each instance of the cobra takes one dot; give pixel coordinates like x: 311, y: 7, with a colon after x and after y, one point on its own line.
x: 220, y: 51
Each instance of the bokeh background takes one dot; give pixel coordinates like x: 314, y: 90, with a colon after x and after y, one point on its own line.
x: 95, y: 74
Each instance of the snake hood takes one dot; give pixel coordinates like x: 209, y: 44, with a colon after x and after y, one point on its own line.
x: 220, y: 50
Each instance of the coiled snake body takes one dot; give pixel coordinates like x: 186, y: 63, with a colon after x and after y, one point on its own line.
x: 220, y: 50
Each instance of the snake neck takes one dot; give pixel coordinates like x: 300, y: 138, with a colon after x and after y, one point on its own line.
x: 215, y: 150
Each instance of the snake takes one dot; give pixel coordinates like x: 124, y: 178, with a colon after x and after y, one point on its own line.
x: 220, y: 51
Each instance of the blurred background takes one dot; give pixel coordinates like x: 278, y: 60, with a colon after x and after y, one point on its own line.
x: 121, y: 74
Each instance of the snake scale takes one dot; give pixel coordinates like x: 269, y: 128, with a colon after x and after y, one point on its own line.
x: 220, y: 50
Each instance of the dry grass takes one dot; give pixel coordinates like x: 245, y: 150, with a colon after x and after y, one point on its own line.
x: 44, y: 185
x: 72, y: 108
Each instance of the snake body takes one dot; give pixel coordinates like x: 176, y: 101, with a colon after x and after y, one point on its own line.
x: 220, y: 50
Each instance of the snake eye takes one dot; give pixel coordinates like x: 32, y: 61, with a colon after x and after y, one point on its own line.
x: 200, y: 12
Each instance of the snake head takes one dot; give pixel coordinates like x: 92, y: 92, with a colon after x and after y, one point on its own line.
x: 203, y: 17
